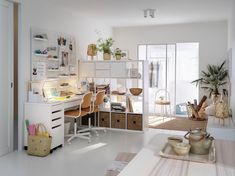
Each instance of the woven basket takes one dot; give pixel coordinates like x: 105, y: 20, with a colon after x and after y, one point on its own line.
x: 40, y: 144
x: 136, y: 91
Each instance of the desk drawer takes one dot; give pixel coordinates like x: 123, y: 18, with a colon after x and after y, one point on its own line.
x: 57, y: 107
x: 57, y: 133
x: 57, y: 114
x: 57, y: 121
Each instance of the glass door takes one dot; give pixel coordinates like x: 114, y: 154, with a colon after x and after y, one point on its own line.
x: 170, y: 69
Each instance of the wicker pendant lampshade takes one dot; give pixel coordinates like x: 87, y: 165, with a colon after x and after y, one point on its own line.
x: 92, y: 50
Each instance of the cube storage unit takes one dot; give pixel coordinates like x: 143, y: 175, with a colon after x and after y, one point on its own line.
x: 120, y: 76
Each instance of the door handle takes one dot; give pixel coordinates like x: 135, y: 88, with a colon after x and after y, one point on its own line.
x: 11, y: 84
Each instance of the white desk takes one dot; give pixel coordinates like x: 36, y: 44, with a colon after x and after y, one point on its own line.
x: 149, y: 163
x: 51, y: 114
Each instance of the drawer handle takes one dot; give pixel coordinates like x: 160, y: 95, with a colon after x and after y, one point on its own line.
x: 118, y: 121
x: 134, y: 122
x: 56, y: 126
x: 53, y: 112
x: 56, y: 119
x: 102, y: 119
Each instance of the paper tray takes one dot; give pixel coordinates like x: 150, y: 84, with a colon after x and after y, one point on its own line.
x: 168, y: 152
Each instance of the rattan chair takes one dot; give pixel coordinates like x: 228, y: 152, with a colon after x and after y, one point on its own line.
x: 162, y: 98
x: 84, y: 109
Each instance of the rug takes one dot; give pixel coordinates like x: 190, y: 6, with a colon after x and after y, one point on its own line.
x: 120, y: 162
x: 178, y: 123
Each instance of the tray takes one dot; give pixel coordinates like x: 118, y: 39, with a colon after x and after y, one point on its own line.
x: 168, y: 152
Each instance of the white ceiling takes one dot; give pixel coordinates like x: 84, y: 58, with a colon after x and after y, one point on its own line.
x: 130, y: 12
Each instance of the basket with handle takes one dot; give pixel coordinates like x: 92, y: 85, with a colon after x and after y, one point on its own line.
x: 39, y: 144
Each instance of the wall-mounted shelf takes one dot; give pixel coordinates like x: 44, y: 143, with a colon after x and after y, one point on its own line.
x: 40, y: 39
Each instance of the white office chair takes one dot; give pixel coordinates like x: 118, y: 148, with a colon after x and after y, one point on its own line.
x: 162, y: 98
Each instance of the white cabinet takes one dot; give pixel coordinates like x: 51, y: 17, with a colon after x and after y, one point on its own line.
x: 51, y: 115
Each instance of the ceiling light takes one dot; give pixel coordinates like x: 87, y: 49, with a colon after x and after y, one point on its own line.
x: 150, y: 12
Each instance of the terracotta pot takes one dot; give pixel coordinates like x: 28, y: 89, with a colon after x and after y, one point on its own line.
x: 107, y: 56
x: 118, y: 57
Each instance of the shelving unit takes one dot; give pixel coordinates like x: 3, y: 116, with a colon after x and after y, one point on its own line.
x: 120, y: 75
x: 58, y: 58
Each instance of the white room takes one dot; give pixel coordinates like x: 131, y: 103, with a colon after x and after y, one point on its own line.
x: 117, y: 87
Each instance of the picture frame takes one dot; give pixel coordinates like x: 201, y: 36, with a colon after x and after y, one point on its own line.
x: 124, y: 54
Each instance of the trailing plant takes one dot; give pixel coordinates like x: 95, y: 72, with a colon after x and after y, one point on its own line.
x: 105, y: 45
x: 214, y: 79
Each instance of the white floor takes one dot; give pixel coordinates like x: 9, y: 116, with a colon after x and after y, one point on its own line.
x: 79, y: 158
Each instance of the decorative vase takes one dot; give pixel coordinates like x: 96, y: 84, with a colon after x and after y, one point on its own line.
x: 107, y: 56
x: 118, y: 57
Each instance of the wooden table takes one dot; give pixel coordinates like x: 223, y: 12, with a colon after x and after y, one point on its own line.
x: 149, y: 163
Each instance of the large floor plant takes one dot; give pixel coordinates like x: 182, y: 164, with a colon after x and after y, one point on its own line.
x: 214, y: 79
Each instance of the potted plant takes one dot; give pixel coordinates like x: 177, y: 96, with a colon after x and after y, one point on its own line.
x: 105, y: 47
x: 118, y: 54
x: 213, y: 80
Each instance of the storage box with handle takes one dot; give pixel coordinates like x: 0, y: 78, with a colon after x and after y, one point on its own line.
x: 39, y: 144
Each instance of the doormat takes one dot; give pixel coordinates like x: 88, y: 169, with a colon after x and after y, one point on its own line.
x: 176, y: 123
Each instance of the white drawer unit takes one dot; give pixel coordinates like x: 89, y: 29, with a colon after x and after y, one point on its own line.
x: 51, y: 115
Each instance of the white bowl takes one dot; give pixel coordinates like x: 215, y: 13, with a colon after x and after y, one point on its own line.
x: 181, y: 148
x: 174, y: 140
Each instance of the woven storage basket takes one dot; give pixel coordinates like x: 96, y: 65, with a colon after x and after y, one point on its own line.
x: 118, y: 120
x: 40, y: 144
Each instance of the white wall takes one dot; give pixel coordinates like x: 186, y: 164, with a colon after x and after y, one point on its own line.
x: 43, y: 15
x: 212, y: 38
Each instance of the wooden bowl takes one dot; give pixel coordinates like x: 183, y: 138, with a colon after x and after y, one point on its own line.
x: 136, y: 91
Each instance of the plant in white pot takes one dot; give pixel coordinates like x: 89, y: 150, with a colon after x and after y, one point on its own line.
x: 105, y: 47
x: 118, y: 54
x: 214, y: 80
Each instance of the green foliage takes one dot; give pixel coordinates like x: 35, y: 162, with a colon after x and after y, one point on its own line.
x: 117, y: 52
x: 105, y: 45
x: 213, y: 79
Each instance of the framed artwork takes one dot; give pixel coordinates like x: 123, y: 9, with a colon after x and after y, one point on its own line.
x: 125, y: 54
